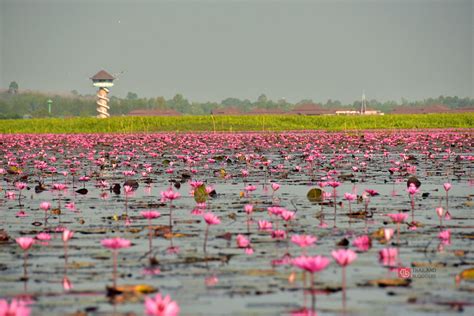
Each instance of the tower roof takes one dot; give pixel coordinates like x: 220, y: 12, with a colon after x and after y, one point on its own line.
x: 102, y: 75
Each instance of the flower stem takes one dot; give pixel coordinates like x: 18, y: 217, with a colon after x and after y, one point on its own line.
x: 335, y: 206
x: 344, y: 288
x: 205, y: 238
x: 171, y: 219
x: 25, y: 263
x: 398, y: 233
x: 114, y: 273
x: 149, y: 236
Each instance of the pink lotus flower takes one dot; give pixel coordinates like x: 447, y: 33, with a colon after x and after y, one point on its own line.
x: 303, y: 240
x: 323, y: 224
x: 197, y: 211
x: 278, y: 234
x: 412, y: 189
x: 70, y: 206
x: 311, y: 264
x: 344, y: 257
x: 447, y: 216
x: 264, y: 225
x: 59, y: 186
x: 350, y: 197
x: 275, y: 210
x: 116, y: 243
x: 67, y: 234
x: 150, y: 214
x: 25, y: 242
x: 128, y: 189
x: 172, y: 250
x: 250, y: 188
x: 161, y: 306
x: 372, y: 192
x: 84, y: 178
x: 195, y: 184
x: 363, y: 243
x: 304, y: 312
x: 151, y: 271
x: 20, y: 185
x: 334, y: 184
x: 67, y: 285
x: 169, y: 195
x: 242, y: 241
x: 275, y: 186
x: 439, y: 211
x: 10, y: 195
x: 398, y: 217
x: 388, y: 255
x: 102, y: 184
x: 445, y: 235
x: 248, y: 208
x: 15, y: 308
x: 211, y: 219
x: 209, y: 189
x: 45, y: 206
x: 447, y: 186
x: 21, y: 214
x: 211, y: 280
x: 43, y: 236
x: 287, y: 215
x: 327, y: 195
x: 388, y: 233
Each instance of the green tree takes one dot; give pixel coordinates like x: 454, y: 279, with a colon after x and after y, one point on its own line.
x: 262, y: 98
x: 132, y: 96
x: 13, y: 88
x: 179, y: 103
x: 160, y: 103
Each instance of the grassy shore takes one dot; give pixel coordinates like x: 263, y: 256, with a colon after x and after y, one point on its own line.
x: 236, y: 123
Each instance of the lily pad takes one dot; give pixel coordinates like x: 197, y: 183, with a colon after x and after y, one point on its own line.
x: 200, y: 194
x: 315, y: 195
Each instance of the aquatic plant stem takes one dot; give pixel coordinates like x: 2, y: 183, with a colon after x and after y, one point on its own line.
x: 171, y: 218
x: 149, y: 236
x: 205, y: 238
x: 25, y: 263
x: 335, y: 207
x: 344, y: 287
x: 114, y: 272
x: 398, y: 233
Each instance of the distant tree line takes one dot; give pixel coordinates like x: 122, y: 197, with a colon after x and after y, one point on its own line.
x: 17, y: 104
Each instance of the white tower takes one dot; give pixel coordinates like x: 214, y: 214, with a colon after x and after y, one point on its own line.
x: 103, y: 80
x: 363, y: 107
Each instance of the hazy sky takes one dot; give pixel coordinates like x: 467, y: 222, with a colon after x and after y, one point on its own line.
x: 210, y: 50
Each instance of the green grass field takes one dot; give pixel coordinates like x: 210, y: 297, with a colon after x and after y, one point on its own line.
x: 236, y: 123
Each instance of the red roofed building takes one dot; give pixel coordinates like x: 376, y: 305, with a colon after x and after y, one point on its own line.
x: 226, y: 111
x: 311, y: 109
x: 154, y: 112
x: 434, y: 108
x: 261, y: 111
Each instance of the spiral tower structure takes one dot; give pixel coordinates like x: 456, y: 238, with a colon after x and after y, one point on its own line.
x: 103, y: 80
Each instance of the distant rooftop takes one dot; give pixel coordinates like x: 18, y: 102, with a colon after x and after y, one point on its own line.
x: 231, y: 110
x: 102, y: 75
x: 311, y: 109
x: 154, y: 112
